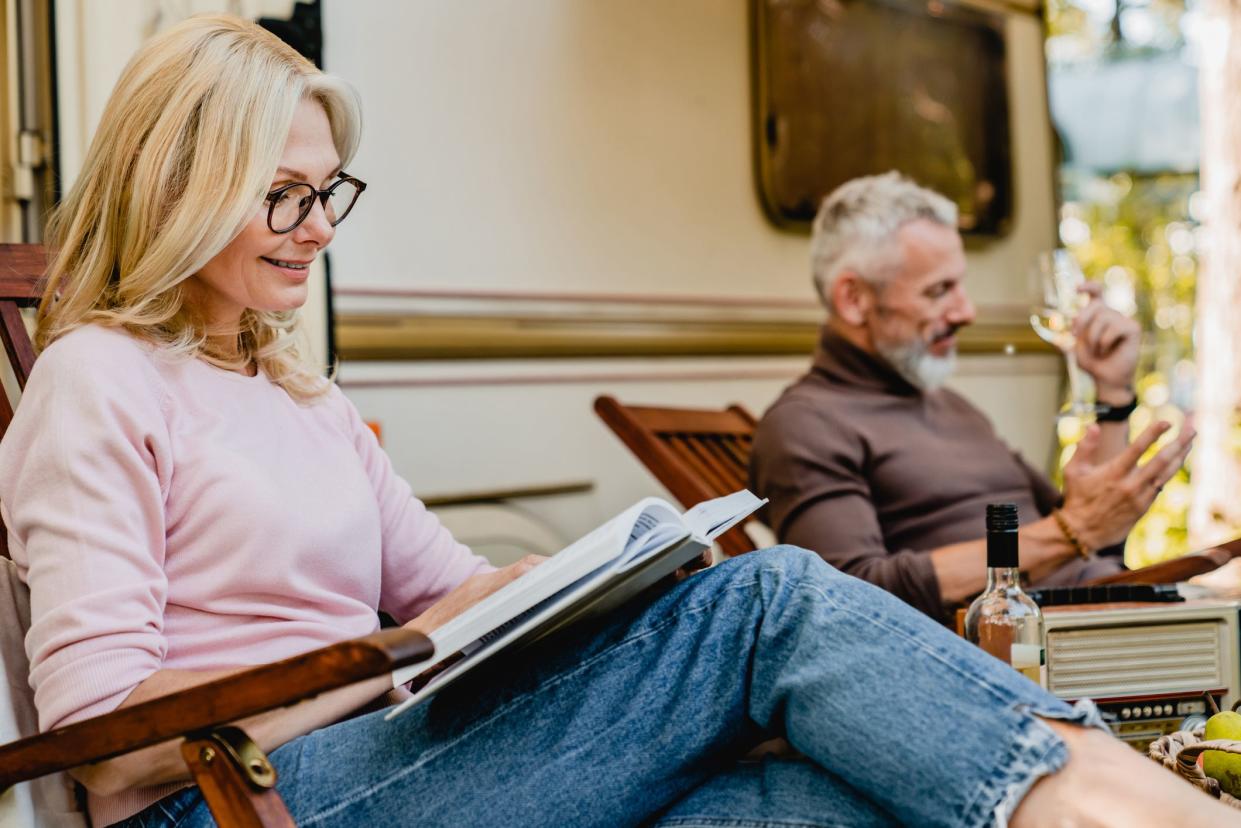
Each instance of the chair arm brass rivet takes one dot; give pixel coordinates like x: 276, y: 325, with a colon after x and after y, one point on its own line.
x: 207, y: 754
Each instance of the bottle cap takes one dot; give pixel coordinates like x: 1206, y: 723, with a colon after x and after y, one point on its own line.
x: 1001, y: 517
x: 1002, y: 535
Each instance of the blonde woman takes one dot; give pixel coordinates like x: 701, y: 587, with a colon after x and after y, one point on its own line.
x: 185, y: 495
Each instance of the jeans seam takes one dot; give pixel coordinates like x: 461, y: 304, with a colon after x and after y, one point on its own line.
x: 524, y: 698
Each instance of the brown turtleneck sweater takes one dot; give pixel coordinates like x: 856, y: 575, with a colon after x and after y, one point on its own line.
x: 872, y: 474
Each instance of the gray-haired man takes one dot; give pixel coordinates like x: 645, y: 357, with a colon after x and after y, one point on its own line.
x: 870, y: 462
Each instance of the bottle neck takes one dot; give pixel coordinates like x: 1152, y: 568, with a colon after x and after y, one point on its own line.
x: 1003, y: 577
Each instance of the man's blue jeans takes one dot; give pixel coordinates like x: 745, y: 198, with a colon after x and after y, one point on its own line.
x: 644, y: 720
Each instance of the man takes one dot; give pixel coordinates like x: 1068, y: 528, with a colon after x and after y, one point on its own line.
x: 869, y: 462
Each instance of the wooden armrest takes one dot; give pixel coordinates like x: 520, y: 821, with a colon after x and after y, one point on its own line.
x: 1169, y: 572
x: 199, y: 708
x: 1178, y: 569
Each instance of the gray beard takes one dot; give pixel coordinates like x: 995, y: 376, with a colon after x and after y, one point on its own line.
x: 919, y: 367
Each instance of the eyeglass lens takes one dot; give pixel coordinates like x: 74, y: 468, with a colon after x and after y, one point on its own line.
x: 293, y: 205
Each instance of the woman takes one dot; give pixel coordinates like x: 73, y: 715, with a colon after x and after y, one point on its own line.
x: 186, y: 496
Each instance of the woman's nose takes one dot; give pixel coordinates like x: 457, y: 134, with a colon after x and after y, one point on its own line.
x: 316, y: 227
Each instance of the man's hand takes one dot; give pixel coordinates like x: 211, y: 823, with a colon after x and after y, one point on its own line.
x: 1107, y: 347
x: 470, y: 592
x: 1102, y: 500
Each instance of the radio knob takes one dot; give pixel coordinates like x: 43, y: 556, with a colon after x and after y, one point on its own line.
x: 1146, y: 712
x: 1125, y: 713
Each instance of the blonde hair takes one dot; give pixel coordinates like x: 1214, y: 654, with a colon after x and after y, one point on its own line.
x: 183, y: 157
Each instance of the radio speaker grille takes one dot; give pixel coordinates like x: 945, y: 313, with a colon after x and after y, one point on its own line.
x: 1129, y: 661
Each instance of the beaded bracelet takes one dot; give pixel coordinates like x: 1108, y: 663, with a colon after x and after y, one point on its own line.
x: 1069, y: 534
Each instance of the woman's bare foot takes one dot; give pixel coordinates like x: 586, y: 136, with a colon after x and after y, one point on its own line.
x: 1107, y: 784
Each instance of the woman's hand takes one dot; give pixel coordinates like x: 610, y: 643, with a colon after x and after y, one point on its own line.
x: 470, y: 592
x: 1103, y: 500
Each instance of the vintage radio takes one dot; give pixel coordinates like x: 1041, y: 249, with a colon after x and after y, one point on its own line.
x: 1149, y: 668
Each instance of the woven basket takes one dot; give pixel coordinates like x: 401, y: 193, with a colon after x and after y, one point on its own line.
x: 1180, y: 751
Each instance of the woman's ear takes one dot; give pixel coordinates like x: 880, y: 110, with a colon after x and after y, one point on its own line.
x: 852, y: 298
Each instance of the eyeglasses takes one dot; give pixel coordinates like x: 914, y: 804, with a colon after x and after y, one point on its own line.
x: 289, y: 205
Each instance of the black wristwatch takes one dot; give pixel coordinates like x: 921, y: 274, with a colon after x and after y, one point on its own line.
x: 1115, y: 413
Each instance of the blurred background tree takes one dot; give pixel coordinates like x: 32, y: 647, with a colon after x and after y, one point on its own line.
x: 1216, y: 508
x: 1123, y: 80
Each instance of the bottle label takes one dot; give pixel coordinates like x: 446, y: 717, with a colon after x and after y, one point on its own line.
x: 1031, y: 661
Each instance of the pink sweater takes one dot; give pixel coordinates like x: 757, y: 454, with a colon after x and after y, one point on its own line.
x: 167, y: 514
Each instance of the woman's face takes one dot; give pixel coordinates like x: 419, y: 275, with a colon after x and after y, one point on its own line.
x: 267, y: 271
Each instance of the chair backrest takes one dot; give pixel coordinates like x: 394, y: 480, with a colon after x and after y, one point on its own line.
x: 696, y: 453
x: 21, y: 273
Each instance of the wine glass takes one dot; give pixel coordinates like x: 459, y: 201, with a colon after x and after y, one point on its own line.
x: 1057, y: 287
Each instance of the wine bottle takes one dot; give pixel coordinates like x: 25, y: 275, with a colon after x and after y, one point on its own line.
x: 1004, y: 620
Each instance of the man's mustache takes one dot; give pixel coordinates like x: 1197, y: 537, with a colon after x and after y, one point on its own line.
x: 947, y: 333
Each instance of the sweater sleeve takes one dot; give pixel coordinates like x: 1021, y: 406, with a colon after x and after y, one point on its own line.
x: 814, y: 473
x: 83, y: 472
x: 421, y: 559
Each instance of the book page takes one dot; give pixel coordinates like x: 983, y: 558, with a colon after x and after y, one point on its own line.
x: 626, y: 555
x: 574, y: 562
x: 712, y: 518
x: 601, y: 591
x: 657, y: 526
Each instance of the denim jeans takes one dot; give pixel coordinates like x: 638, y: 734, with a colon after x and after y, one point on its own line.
x: 645, y: 718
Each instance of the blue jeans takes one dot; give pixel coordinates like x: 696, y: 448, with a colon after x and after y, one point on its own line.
x: 645, y: 719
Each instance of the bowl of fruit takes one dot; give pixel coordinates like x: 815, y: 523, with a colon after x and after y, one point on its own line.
x: 1209, y: 756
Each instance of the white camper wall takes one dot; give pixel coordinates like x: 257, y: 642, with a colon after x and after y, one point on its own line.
x: 597, y: 146
x: 553, y: 148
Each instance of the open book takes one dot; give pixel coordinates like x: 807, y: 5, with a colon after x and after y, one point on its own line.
x: 597, y: 573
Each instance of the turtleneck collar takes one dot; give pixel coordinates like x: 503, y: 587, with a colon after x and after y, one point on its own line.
x: 843, y: 362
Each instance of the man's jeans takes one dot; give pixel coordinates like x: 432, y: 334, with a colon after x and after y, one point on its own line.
x: 643, y: 720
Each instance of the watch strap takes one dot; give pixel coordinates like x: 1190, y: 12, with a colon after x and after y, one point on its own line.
x: 1115, y: 413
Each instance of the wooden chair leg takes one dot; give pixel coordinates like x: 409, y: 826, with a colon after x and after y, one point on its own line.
x: 236, y: 779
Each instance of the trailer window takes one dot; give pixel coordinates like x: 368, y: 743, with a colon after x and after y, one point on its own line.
x: 851, y: 87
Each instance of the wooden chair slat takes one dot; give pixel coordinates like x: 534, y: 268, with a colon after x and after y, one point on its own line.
x: 22, y: 267
x: 16, y: 342
x: 738, y: 451
x: 723, y: 447
x: 686, y: 451
x: 695, y: 421
x: 694, y: 452
x: 720, y: 462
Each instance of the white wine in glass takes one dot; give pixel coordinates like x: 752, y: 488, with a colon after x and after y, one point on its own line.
x: 1058, y: 297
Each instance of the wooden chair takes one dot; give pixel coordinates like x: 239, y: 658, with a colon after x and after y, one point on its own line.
x: 235, y: 777
x: 696, y: 453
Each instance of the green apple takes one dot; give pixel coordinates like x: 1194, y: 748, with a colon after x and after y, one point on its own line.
x: 1226, y: 767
